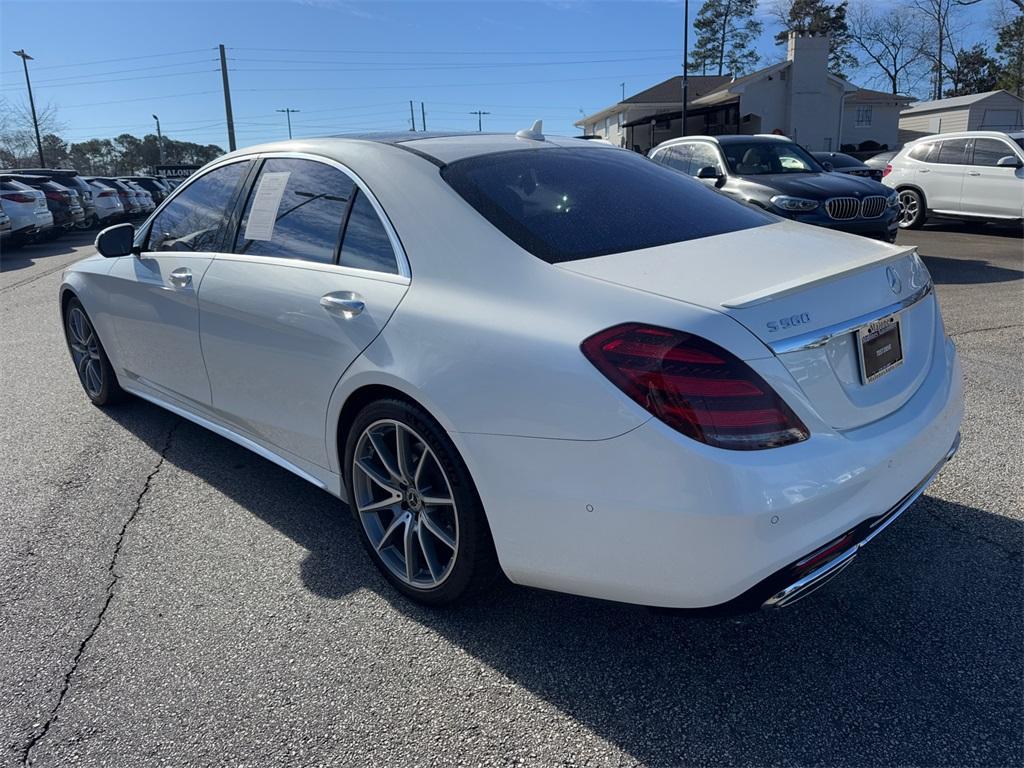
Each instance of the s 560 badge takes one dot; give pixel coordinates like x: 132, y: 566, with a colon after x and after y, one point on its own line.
x: 792, y: 321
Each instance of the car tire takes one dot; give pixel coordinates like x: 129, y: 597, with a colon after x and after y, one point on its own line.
x: 912, y: 209
x: 95, y: 373
x: 432, y: 552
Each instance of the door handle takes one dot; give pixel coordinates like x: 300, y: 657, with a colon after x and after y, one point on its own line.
x: 344, y: 303
x: 974, y: 173
x: 924, y: 170
x: 181, y: 277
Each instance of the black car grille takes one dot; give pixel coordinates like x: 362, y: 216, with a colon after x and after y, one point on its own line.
x: 843, y: 208
x: 872, y: 207
x: 846, y: 208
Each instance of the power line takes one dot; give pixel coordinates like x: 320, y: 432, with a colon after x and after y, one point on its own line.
x: 121, y: 71
x: 448, y: 85
x: 413, y: 66
x: 457, y: 53
x: 125, y: 58
x: 124, y: 79
x: 141, y: 98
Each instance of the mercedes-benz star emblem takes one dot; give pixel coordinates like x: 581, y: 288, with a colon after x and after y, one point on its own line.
x: 894, y: 280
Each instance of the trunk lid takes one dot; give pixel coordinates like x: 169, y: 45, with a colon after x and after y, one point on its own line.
x: 802, y: 291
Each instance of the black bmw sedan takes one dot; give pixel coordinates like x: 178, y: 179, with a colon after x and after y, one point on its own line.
x: 777, y: 174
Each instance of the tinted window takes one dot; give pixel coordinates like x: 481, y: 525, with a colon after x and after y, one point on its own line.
x: 757, y: 158
x: 366, y: 244
x: 192, y: 221
x: 988, y: 151
x: 563, y: 204
x: 302, y: 221
x: 704, y: 155
x: 677, y: 157
x: 839, y: 160
x: 923, y: 152
x: 952, y: 151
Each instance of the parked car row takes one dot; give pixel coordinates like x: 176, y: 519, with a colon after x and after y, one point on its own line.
x: 972, y: 175
x: 41, y: 203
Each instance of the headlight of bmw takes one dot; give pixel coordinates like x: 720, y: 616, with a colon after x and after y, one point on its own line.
x: 794, y: 204
x: 893, y: 200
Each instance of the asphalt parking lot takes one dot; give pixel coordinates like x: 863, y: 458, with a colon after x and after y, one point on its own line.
x: 170, y: 599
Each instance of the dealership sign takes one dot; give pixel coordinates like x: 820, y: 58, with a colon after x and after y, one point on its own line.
x: 176, y: 171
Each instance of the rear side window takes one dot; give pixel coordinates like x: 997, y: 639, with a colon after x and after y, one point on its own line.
x: 677, y: 158
x: 194, y: 219
x: 564, y: 204
x: 988, y: 152
x: 924, y: 152
x: 295, y: 211
x: 951, y: 152
x: 366, y: 244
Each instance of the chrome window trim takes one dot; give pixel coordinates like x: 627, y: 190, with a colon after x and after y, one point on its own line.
x: 823, y: 336
x: 401, y: 259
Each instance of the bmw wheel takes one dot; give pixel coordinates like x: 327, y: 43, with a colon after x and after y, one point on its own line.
x: 91, y: 362
x: 912, y: 210
x: 417, y: 508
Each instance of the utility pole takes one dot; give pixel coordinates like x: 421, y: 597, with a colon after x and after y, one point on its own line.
x: 423, y: 117
x: 288, y: 113
x: 623, y: 91
x: 25, y: 58
x: 412, y: 116
x: 479, y: 119
x: 227, y: 98
x: 159, y: 140
x: 686, y: 64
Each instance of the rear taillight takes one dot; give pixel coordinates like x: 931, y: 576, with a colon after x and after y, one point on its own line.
x: 18, y: 197
x: 51, y: 195
x: 887, y: 171
x: 107, y: 193
x: 695, y: 387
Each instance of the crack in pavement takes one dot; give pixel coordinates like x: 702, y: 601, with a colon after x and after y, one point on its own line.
x: 981, y: 330
x: 26, y: 753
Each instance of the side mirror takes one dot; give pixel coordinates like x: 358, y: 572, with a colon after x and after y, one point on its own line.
x: 708, y: 172
x: 1009, y: 161
x: 827, y: 166
x: 115, y: 241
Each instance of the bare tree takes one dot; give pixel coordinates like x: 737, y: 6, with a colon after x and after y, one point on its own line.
x: 941, y: 17
x: 894, y: 44
x: 17, y: 136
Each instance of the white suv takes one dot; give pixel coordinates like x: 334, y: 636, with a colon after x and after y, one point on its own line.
x: 975, y: 175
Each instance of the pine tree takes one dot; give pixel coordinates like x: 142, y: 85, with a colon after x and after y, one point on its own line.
x: 726, y: 33
x: 821, y: 17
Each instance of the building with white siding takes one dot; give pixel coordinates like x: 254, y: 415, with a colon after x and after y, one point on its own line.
x: 992, y: 111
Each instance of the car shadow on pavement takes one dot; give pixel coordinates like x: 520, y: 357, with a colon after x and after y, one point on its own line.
x: 994, y: 229
x: 913, y: 656
x: 25, y: 256
x: 956, y: 271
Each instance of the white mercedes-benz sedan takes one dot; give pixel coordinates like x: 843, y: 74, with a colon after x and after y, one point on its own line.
x: 537, y: 356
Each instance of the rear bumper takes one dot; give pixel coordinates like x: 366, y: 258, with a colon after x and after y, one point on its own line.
x: 653, y: 518
x: 821, y: 566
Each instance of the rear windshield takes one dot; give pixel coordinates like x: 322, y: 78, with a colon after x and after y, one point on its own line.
x: 840, y: 160
x: 566, y: 204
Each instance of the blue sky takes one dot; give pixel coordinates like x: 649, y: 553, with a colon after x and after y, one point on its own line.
x: 347, y: 66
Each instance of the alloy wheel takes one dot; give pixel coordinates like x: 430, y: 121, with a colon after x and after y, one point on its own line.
x: 85, y: 351
x: 910, y: 206
x: 405, y: 503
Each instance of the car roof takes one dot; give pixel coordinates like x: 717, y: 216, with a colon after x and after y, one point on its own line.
x: 439, y: 148
x: 963, y: 135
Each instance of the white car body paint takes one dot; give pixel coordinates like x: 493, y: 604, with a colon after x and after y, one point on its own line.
x: 584, y: 490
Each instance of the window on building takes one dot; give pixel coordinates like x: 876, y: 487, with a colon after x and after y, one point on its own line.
x: 607, y: 126
x: 621, y: 118
x: 863, y: 117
